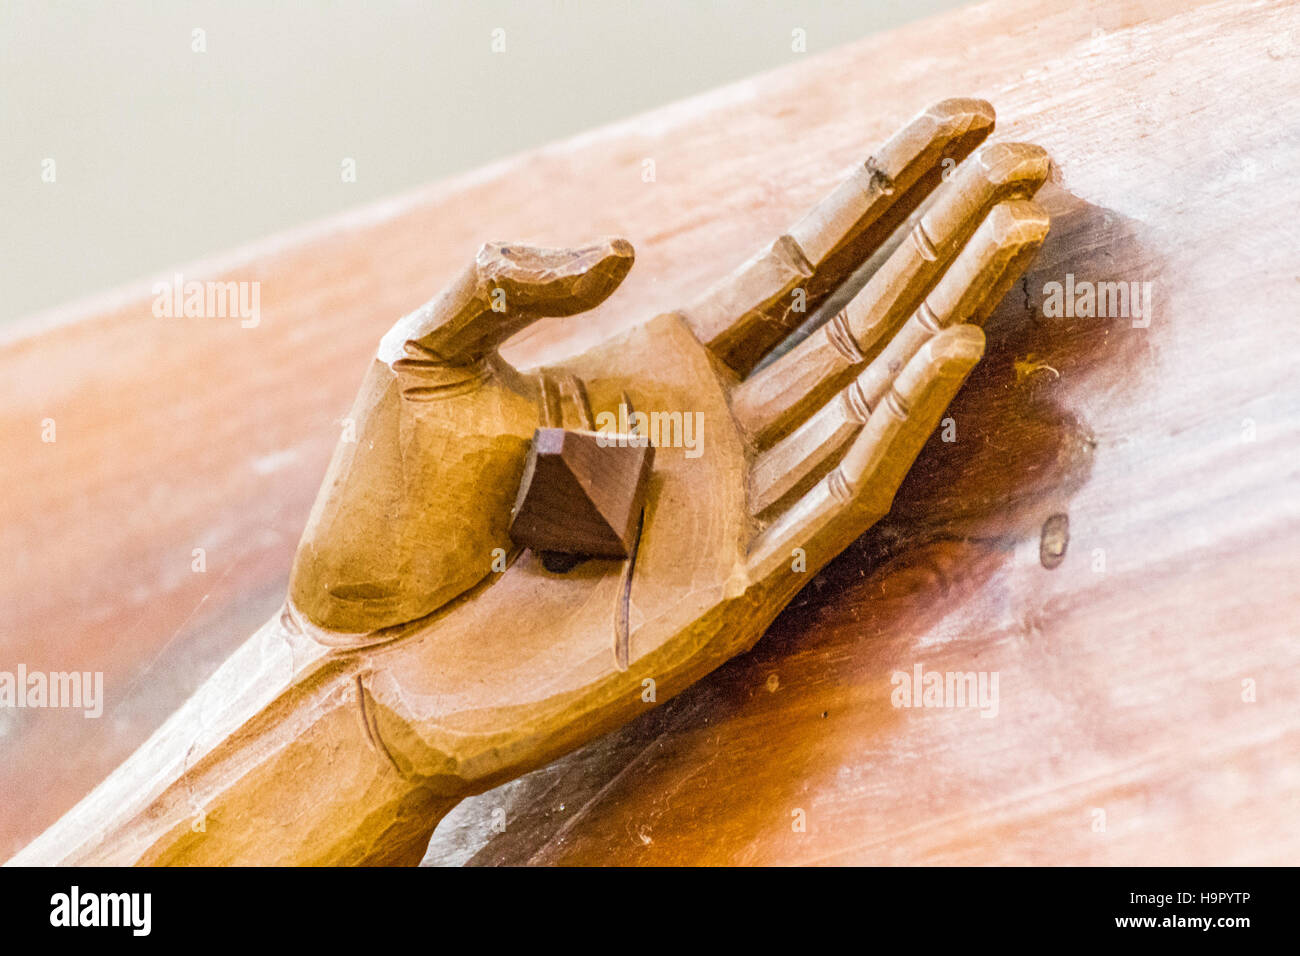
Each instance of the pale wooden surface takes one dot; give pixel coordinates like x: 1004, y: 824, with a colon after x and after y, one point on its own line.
x: 1119, y: 691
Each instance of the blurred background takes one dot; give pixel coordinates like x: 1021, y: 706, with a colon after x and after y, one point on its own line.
x: 139, y: 136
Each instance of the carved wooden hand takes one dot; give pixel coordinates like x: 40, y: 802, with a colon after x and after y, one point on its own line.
x: 422, y: 657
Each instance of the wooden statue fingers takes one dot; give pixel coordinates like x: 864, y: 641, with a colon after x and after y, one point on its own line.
x: 748, y: 312
x: 977, y: 280
x: 778, y: 397
x: 860, y: 489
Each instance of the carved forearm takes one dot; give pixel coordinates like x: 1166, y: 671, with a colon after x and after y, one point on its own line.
x: 273, y: 761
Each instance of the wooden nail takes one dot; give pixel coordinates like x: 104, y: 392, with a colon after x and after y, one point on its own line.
x: 581, y: 494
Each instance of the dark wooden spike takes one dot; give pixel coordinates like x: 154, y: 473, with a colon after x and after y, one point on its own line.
x: 579, y: 496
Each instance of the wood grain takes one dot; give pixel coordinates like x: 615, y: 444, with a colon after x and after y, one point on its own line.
x: 1170, y: 448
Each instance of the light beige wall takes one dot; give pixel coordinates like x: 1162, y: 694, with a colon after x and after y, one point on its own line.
x: 162, y: 154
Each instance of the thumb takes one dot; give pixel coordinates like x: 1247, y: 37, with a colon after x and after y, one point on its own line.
x: 505, y: 288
